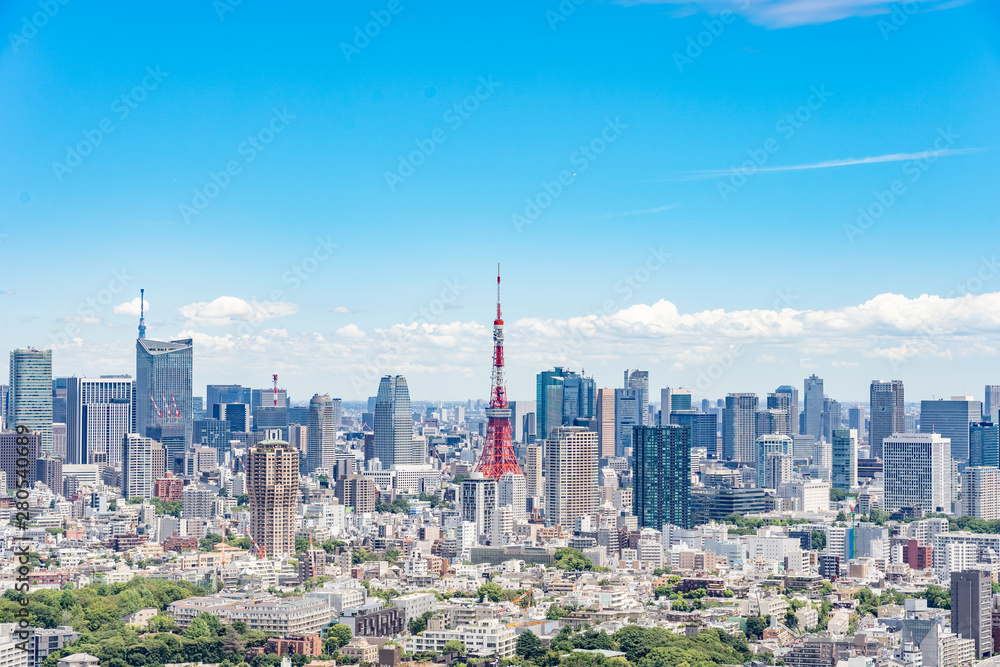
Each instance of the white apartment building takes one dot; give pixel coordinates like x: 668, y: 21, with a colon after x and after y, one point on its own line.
x: 488, y: 637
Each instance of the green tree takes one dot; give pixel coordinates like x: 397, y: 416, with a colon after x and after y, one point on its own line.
x: 340, y: 634
x: 555, y: 612
x: 529, y: 646
x: 818, y: 540
x: 756, y: 626
x: 454, y: 645
x: 208, y: 542
x: 491, y: 591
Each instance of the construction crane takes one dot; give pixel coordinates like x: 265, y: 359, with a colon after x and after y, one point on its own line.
x: 177, y: 411
x: 260, y: 550
x: 159, y: 412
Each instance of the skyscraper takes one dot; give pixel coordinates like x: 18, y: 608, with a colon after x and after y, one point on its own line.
x: 639, y: 380
x: 783, y: 401
x: 813, y: 392
x: 739, y: 427
x: 771, y: 422
x: 226, y: 393
x: 606, y: 422
x: 917, y: 470
x: 394, y: 443
x: 777, y: 469
x: 991, y: 403
x: 29, y: 394
x: 951, y: 419
x: 273, y: 487
x: 662, y: 476
x: 562, y: 396
x: 164, y: 393
x: 570, y: 474
x: 844, y: 457
x: 832, y: 418
x: 137, y: 466
x: 856, y: 420
x: 703, y: 427
x: 984, y: 444
x: 479, y: 501
x: 98, y: 417
x: 321, y: 434
x: 512, y: 490
x: 533, y: 470
x: 886, y: 415
x: 627, y: 415
x: 971, y: 609
x: 768, y: 444
x: 793, y: 400
x: 980, y: 486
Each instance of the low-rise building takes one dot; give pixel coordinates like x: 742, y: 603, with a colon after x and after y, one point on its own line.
x: 489, y: 637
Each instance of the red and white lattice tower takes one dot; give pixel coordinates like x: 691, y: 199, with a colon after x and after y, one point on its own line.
x: 498, y: 452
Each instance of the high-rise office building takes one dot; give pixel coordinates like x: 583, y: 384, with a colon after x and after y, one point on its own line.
x: 479, y: 501
x: 917, y: 470
x: 627, y: 414
x: 570, y: 474
x: 273, y: 487
x: 886, y: 415
x: 782, y: 401
x: 50, y: 472
x: 321, y: 434
x: 777, y: 469
x: 793, y: 401
x: 226, y: 393
x: 59, y: 400
x: 971, y: 609
x: 739, y: 428
x: 675, y: 399
x: 767, y: 444
x: 29, y: 397
x: 533, y: 470
x: 856, y: 420
x: 3, y: 407
x: 844, y: 459
x: 137, y: 466
x: 832, y: 418
x: 98, y: 417
x: 639, y: 380
x: 980, y: 486
x: 394, y: 443
x: 703, y: 428
x: 9, y: 457
x: 214, y: 433
x: 512, y: 490
x: 771, y: 422
x: 662, y: 476
x: 984, y: 444
x: 164, y: 405
x: 813, y: 393
x: 237, y: 415
x: 951, y: 419
x: 991, y: 403
x: 518, y: 411
x: 562, y: 396
x: 606, y: 422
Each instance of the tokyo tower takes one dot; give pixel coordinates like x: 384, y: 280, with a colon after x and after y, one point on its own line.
x: 498, y: 452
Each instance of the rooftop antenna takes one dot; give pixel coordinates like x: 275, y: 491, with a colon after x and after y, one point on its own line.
x: 142, y: 312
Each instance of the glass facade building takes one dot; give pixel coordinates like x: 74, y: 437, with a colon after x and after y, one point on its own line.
x: 29, y: 394
x: 984, y: 444
x: 662, y: 476
x: 562, y: 396
x: 394, y: 443
x: 164, y: 393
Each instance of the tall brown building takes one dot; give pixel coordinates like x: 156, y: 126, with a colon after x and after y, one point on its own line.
x: 273, y: 487
x: 357, y: 491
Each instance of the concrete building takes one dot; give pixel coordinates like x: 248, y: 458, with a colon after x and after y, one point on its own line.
x: 739, y: 428
x: 971, y: 609
x: 533, y: 470
x: 485, y: 638
x: 844, y: 459
x: 917, y: 471
x: 951, y: 419
x: 137, y: 467
x: 321, y: 434
x: 570, y: 475
x: 282, y: 616
x: 479, y: 501
x: 273, y: 487
x: 980, y: 488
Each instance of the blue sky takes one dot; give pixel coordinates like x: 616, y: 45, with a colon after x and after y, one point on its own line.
x: 187, y: 91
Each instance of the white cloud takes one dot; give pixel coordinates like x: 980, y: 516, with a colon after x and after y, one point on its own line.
x: 766, y: 359
x: 342, y: 309
x: 230, y: 309
x: 791, y: 13
x: 130, y: 308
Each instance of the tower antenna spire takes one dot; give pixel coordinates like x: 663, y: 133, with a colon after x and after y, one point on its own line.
x: 498, y: 451
x: 142, y: 313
